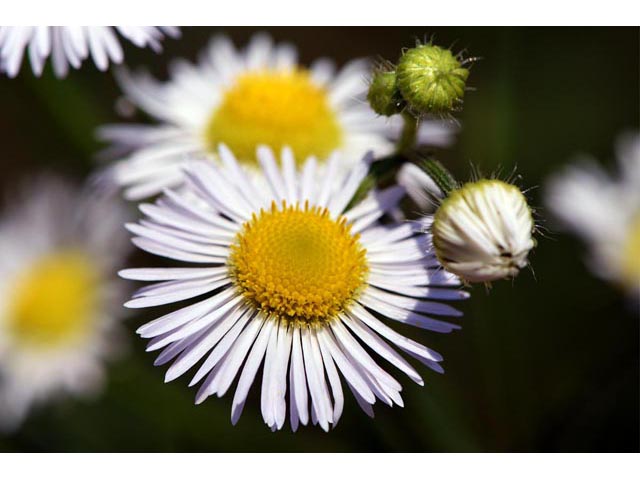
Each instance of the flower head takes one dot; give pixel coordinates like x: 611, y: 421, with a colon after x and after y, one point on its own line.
x: 483, y: 230
x: 431, y: 79
x: 604, y: 211
x: 258, y: 96
x: 384, y: 95
x: 70, y: 46
x: 59, y: 250
x: 291, y: 278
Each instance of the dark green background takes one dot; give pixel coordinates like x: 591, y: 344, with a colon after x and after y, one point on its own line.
x: 549, y: 363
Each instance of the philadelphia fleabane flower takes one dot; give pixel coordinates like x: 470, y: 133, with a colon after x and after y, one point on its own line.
x: 289, y: 278
x: 604, y: 211
x: 70, y: 46
x: 59, y: 296
x: 482, y: 230
x: 258, y: 96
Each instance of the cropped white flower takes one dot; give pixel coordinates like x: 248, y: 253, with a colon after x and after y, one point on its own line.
x: 59, y: 300
x: 258, y: 96
x: 483, y: 230
x: 70, y: 46
x: 291, y: 278
x: 604, y: 211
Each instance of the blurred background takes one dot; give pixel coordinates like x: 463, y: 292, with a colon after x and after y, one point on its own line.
x: 548, y: 362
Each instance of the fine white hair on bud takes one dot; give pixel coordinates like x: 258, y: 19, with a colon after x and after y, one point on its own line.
x: 483, y: 231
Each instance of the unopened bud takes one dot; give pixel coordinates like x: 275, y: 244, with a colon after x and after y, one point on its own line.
x: 483, y: 231
x: 431, y: 80
x: 384, y: 96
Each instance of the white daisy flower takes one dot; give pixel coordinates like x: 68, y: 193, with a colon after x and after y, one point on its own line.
x: 59, y: 251
x: 293, y: 279
x: 70, y: 46
x: 604, y: 211
x: 258, y: 96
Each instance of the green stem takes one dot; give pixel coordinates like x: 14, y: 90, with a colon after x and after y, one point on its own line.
x: 380, y: 172
x: 439, y: 174
x: 409, y: 133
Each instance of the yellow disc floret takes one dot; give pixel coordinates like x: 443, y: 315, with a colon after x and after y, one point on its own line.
x: 631, y: 256
x: 53, y: 300
x: 298, y: 264
x: 275, y: 108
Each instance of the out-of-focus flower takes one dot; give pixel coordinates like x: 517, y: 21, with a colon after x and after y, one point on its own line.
x: 482, y: 231
x: 604, y: 211
x: 292, y: 278
x: 258, y: 96
x: 70, y: 46
x: 59, y: 298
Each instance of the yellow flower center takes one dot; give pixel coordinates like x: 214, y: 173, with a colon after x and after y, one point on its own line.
x: 298, y: 264
x: 631, y: 256
x: 275, y: 108
x: 53, y: 300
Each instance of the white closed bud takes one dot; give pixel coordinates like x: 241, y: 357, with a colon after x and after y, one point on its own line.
x: 483, y: 231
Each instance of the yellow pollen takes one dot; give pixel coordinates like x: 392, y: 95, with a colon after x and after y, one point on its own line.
x: 631, y: 255
x: 275, y: 108
x: 298, y: 265
x: 53, y: 300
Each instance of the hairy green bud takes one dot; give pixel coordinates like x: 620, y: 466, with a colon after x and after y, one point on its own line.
x: 431, y: 79
x: 384, y: 96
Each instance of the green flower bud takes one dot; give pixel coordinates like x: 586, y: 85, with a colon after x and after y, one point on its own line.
x: 384, y: 96
x: 431, y: 79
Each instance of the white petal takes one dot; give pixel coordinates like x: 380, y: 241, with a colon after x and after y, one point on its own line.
x: 198, y: 349
x: 351, y: 374
x: 238, y: 354
x: 382, y: 348
x: 404, y: 343
x: 334, y: 381
x: 315, y: 378
x: 298, y: 382
x: 216, y: 361
x: 250, y: 369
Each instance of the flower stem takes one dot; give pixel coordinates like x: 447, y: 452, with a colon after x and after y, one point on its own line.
x: 382, y: 170
x: 409, y: 133
x: 439, y: 174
